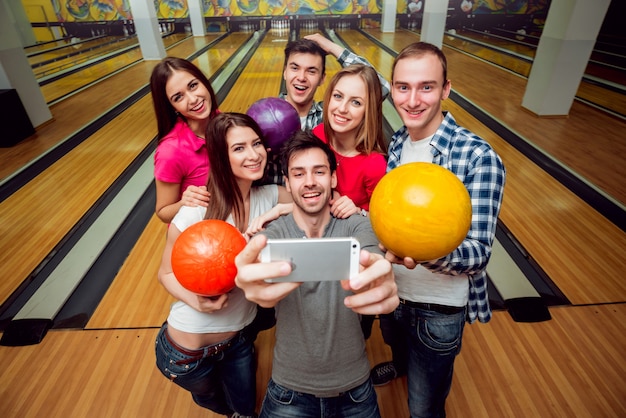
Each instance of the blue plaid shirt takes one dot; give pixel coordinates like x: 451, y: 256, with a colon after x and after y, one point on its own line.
x: 316, y: 115
x: 482, y: 172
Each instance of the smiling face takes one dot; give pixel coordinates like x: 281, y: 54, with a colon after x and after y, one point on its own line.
x: 418, y: 88
x: 346, y: 108
x: 188, y: 96
x: 246, y: 153
x: 311, y: 182
x: 303, y: 75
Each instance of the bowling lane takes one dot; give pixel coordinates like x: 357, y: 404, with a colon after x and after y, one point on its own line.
x: 521, y: 46
x: 604, y: 85
x: 80, y: 74
x: 607, y: 61
x: 262, y: 75
x: 80, y: 109
x: 608, y: 66
x: 43, y: 66
x: 57, y: 53
x: 578, y: 142
x: 519, y: 66
x: 32, y: 50
x: 75, y: 183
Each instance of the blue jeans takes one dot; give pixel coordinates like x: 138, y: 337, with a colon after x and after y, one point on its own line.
x: 224, y: 382
x: 281, y: 402
x: 434, y: 341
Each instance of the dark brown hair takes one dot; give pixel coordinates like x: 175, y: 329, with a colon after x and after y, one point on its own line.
x: 163, y: 109
x: 225, y: 194
x: 302, y: 141
x: 305, y: 46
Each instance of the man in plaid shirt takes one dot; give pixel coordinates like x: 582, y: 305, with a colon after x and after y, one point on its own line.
x: 437, y: 297
x: 304, y: 71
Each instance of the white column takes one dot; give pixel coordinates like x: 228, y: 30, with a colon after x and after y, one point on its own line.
x: 565, y: 46
x: 388, y: 16
x: 434, y: 21
x: 198, y: 25
x: 147, y: 29
x: 21, y: 22
x: 16, y: 72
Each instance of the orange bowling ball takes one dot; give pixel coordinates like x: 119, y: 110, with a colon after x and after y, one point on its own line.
x: 203, y: 257
x: 420, y: 210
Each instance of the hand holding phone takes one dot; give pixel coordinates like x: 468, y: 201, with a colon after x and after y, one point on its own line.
x: 314, y: 259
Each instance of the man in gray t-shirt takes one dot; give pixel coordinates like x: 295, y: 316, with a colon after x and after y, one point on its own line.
x: 319, y: 362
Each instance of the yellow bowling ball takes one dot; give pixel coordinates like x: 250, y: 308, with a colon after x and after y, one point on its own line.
x: 420, y: 210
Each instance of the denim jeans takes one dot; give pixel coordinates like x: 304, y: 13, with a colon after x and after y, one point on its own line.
x: 281, y: 402
x: 224, y: 382
x: 434, y: 342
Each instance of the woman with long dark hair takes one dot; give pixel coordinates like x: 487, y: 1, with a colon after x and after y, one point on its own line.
x: 184, y: 103
x: 202, y: 346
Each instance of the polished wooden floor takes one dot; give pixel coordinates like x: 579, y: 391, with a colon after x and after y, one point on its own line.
x: 572, y: 365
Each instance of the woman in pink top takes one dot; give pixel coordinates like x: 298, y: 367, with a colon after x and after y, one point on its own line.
x: 184, y: 102
x: 353, y: 128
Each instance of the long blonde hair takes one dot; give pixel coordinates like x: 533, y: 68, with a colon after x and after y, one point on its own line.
x: 369, y: 136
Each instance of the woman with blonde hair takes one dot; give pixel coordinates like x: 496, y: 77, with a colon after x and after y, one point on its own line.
x: 352, y: 126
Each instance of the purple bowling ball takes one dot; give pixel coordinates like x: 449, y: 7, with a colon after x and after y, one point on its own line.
x: 277, y: 119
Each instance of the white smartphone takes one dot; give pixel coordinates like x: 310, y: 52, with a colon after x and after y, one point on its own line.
x: 314, y: 259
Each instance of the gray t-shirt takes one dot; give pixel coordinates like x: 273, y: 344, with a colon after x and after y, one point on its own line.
x: 320, y: 349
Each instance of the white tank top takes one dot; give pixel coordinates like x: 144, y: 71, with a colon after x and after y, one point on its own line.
x: 240, y: 311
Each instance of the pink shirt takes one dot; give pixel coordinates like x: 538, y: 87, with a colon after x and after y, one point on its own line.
x: 181, y: 157
x: 357, y: 176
